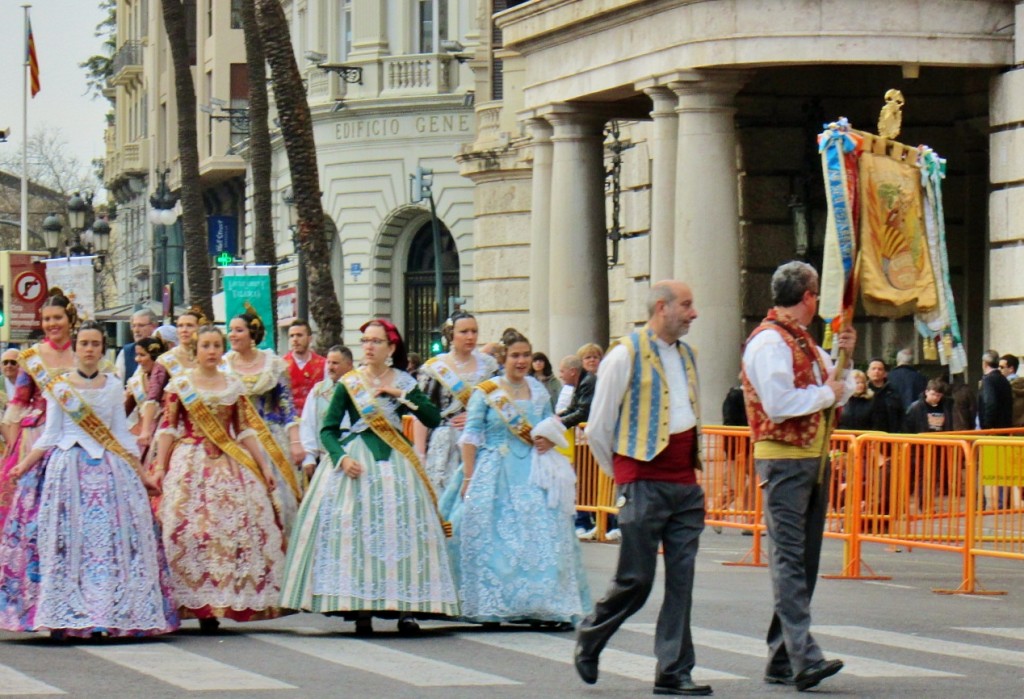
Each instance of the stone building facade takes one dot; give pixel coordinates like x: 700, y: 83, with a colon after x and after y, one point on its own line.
x: 717, y: 105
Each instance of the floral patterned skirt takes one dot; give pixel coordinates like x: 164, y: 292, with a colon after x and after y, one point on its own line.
x: 23, y: 443
x: 222, y: 538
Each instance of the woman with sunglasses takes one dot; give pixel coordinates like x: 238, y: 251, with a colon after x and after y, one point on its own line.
x: 26, y: 411
x: 369, y: 540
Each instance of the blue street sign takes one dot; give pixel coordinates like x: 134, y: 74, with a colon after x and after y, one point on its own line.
x: 223, y: 232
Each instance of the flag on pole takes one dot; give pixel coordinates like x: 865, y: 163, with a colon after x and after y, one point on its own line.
x: 31, y: 60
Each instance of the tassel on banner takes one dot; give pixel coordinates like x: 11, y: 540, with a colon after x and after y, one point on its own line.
x: 930, y: 351
x: 826, y: 342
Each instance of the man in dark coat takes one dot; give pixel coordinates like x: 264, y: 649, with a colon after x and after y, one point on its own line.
x: 995, y: 399
x: 891, y: 410
x: 906, y: 381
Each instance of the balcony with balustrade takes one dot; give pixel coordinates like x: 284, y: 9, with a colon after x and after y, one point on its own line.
x: 126, y: 66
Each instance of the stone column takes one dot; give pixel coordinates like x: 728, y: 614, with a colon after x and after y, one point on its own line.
x: 540, y: 236
x: 707, y: 252
x: 578, y: 291
x: 1004, y: 310
x: 663, y: 180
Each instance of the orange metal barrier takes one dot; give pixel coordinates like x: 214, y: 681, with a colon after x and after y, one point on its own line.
x: 595, y: 490
x: 956, y: 493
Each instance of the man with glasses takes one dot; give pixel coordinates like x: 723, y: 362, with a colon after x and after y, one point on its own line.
x: 10, y: 371
x: 144, y: 322
x: 791, y: 390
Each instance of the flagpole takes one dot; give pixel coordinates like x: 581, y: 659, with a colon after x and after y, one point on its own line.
x: 24, y: 140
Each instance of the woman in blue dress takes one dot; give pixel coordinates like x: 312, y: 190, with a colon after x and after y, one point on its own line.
x: 520, y: 559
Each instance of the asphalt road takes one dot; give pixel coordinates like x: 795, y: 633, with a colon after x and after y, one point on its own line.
x: 898, y: 638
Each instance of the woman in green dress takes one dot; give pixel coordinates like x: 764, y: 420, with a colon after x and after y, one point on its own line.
x: 368, y: 540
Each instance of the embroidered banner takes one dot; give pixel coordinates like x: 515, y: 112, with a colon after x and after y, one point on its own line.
x: 896, y: 271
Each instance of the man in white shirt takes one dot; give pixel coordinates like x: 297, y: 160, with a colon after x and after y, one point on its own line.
x: 339, y: 363
x: 644, y: 430
x: 791, y: 389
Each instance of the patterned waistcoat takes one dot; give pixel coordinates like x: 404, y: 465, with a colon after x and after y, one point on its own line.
x: 798, y: 431
x: 642, y: 431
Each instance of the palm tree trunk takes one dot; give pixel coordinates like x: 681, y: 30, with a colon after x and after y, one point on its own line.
x: 297, y: 131
x: 264, y: 245
x: 197, y: 256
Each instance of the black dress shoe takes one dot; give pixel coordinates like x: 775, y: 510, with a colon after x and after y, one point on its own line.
x: 408, y: 627
x: 812, y: 675
x: 684, y: 688
x: 586, y: 667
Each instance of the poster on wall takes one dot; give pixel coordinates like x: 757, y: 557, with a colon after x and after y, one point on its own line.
x: 250, y: 283
x: 76, y: 278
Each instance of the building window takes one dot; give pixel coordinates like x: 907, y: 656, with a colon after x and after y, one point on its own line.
x: 236, y: 14
x: 239, y: 103
x: 431, y: 24
x: 345, y: 30
x: 209, y: 18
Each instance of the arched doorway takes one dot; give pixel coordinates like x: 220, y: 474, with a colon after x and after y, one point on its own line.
x: 420, y: 314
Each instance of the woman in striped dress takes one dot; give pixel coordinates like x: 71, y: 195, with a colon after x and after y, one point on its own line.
x: 368, y: 540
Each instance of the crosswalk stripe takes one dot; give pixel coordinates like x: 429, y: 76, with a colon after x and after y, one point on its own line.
x: 14, y: 683
x: 1017, y: 634
x: 745, y: 645
x: 371, y: 657
x: 615, y: 662
x: 906, y: 641
x: 183, y: 669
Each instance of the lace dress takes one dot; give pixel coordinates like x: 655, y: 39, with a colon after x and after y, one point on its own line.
x: 98, y: 563
x: 519, y: 559
x: 270, y: 391
x: 223, y: 542
x: 443, y: 452
x: 372, y: 543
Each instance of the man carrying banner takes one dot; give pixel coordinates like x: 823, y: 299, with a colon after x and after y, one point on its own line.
x: 791, y: 389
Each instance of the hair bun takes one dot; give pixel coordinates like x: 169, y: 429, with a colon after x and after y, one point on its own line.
x: 510, y: 336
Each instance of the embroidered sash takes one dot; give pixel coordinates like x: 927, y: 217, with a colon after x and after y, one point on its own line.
x: 137, y: 389
x: 31, y: 361
x: 450, y: 380
x: 498, y: 399
x: 81, y: 412
x: 204, y: 418
x: 273, y: 449
x: 370, y: 412
x: 171, y: 363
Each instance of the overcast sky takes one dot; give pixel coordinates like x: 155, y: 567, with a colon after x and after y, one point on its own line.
x: 64, y: 36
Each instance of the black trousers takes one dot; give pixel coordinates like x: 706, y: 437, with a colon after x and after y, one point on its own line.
x: 655, y: 514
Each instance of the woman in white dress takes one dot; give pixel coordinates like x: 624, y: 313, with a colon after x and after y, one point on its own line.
x: 101, y: 569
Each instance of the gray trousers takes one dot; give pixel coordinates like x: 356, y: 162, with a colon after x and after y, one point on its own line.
x: 795, y: 507
x: 655, y: 513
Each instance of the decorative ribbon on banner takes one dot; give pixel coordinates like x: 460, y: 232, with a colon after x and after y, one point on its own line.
x: 838, y: 147
x: 940, y: 328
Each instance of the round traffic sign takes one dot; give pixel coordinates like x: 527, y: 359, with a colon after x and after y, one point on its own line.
x: 29, y: 286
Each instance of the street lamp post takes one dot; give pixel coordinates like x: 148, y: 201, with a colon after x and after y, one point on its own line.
x: 85, y: 239
x: 301, y: 282
x: 162, y: 214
